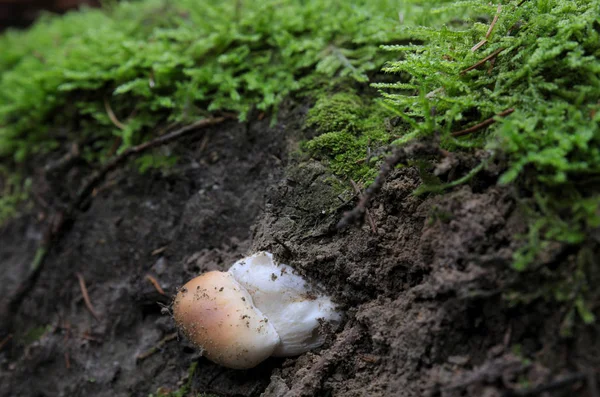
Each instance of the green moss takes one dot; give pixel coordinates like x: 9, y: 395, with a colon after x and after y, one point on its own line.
x: 154, y: 62
x: 14, y: 192
x: 352, y: 134
x: 119, y: 76
x: 34, y: 334
x: 342, y: 112
x: 546, y: 68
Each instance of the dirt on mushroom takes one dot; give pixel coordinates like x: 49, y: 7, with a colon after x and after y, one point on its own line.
x: 422, y: 293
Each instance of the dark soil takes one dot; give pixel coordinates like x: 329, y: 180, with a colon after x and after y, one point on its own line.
x: 424, y: 294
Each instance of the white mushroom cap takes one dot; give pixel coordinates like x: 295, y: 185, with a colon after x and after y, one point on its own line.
x: 290, y: 304
x: 218, y: 315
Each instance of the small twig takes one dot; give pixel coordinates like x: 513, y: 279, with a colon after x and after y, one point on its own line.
x: 369, y: 358
x: 507, y: 336
x: 490, y: 29
x: 115, y: 146
x: 155, y: 284
x: 111, y: 115
x: 159, y: 250
x: 555, y: 384
x: 67, y: 361
x: 490, y: 371
x: 483, y: 124
x: 5, y: 341
x: 204, y: 143
x: 86, y: 297
x: 484, y: 60
x: 159, y: 345
x: 478, y: 45
x: 63, y: 162
x: 367, y: 213
x: 521, y: 3
x: 67, y: 328
x: 400, y: 155
x: 489, y: 32
x: 118, y: 160
x: 89, y: 337
x: 104, y: 187
x: 229, y: 115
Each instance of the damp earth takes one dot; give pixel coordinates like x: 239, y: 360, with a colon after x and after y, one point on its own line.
x: 423, y: 286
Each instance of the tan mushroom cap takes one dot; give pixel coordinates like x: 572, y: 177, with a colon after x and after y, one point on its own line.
x: 218, y: 315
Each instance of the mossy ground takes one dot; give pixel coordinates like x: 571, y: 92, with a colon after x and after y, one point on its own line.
x: 123, y: 72
x: 108, y: 79
x: 352, y: 134
x: 543, y: 74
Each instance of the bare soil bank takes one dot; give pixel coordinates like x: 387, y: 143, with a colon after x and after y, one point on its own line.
x: 423, y: 292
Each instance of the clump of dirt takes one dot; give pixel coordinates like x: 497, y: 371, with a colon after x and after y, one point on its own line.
x: 422, y: 287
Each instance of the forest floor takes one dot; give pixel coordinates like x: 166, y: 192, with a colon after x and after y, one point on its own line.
x: 423, y: 286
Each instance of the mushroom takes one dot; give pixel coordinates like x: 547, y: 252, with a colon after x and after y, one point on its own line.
x: 257, y: 309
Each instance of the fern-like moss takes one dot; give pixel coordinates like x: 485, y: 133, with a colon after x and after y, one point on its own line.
x: 543, y: 63
x: 155, y: 62
x: 546, y: 68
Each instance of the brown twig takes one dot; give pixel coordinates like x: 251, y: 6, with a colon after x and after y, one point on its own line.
x: 483, y: 124
x: 67, y: 361
x: 111, y: 115
x: 89, y: 337
x: 115, y: 146
x: 478, y: 45
x: 65, y: 161
x: 106, y: 186
x: 400, y: 155
x: 489, y: 32
x: 521, y: 3
x: 149, y: 352
x: 490, y: 29
x: 155, y: 284
x: 86, y: 296
x: 369, y: 358
x: 367, y: 213
x: 484, y: 60
x: 159, y: 250
x: 5, y: 341
x: 120, y: 159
